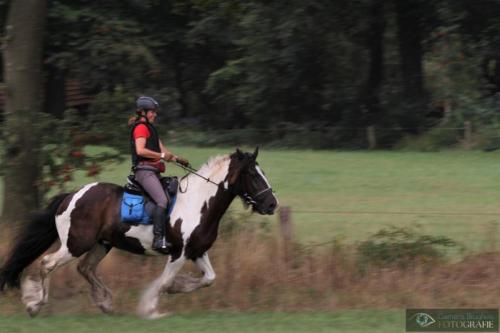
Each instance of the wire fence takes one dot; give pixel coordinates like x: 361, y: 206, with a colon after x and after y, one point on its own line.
x: 340, y: 212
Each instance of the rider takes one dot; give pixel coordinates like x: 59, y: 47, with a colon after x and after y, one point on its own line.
x: 147, y: 155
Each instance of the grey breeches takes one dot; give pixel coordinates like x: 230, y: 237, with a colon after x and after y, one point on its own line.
x: 151, y: 183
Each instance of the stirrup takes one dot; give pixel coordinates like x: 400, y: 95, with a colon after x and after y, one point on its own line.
x: 163, y: 248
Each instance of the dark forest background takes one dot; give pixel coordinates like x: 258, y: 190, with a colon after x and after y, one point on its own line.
x: 215, y: 65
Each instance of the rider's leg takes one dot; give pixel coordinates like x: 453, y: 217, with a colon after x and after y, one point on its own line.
x: 159, y: 225
x: 151, y: 184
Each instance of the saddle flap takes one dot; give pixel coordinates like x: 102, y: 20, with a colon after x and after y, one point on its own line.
x: 133, y: 186
x: 170, y: 185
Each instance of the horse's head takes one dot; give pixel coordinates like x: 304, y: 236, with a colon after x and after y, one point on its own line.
x: 248, y: 181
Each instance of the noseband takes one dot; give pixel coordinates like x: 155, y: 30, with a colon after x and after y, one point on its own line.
x: 250, y: 200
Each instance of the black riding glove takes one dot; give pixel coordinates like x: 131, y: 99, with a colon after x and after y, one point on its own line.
x: 182, y: 161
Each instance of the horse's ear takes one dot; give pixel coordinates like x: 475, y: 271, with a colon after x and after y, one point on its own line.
x: 255, y: 153
x: 240, y: 154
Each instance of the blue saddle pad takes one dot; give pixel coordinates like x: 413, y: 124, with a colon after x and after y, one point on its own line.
x: 134, y: 209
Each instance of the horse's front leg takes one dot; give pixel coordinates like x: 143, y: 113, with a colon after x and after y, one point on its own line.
x: 187, y: 284
x: 148, y: 305
x: 205, y: 266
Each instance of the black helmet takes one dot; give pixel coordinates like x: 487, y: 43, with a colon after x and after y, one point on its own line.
x: 147, y: 103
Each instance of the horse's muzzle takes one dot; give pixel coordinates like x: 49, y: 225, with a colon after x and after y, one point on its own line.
x: 266, y: 207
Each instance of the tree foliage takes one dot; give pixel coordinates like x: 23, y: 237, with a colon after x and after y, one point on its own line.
x: 233, y: 64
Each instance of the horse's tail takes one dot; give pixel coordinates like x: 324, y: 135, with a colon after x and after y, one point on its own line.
x: 36, y: 236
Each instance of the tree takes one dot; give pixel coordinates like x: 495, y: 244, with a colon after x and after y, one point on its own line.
x: 23, y: 78
x: 410, y: 36
x: 370, y: 94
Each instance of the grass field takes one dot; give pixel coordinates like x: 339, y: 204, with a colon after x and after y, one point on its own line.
x: 349, y: 195
x: 343, y: 321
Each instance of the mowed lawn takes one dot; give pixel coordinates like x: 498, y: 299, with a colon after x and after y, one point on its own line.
x: 343, y: 321
x: 349, y: 195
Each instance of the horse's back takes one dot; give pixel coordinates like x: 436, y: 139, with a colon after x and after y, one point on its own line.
x: 89, y: 215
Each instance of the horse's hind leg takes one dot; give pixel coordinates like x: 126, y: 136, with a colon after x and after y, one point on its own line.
x: 87, y: 267
x: 36, y: 293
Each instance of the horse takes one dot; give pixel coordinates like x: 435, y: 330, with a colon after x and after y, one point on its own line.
x: 88, y: 224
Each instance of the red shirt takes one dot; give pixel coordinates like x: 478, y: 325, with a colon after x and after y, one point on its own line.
x: 141, y: 131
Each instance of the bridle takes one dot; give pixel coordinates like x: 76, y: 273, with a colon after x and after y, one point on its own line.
x: 248, y: 198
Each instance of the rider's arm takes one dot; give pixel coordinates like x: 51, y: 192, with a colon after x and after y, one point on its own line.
x: 140, y: 148
x: 169, y: 156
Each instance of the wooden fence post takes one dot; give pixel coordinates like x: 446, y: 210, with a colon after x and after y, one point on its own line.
x: 371, y: 137
x: 491, y: 234
x: 286, y: 229
x: 467, y: 134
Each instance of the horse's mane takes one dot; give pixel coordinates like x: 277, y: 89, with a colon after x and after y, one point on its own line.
x: 213, y: 164
x: 209, y: 169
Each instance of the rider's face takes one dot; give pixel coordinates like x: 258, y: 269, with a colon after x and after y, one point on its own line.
x: 151, y: 115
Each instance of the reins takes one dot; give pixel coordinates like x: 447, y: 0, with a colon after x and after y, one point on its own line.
x: 192, y: 170
x: 249, y: 199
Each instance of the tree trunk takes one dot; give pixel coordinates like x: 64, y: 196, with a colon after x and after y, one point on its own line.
x: 23, y: 78
x: 491, y: 71
x: 179, y: 81
x: 371, y: 92
x: 414, y: 102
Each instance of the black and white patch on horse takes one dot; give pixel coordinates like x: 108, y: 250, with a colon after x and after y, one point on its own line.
x: 87, y: 222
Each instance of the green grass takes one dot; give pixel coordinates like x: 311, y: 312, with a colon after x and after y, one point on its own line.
x: 343, y: 321
x: 349, y: 195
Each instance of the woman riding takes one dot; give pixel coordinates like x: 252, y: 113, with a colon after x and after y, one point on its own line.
x: 148, y: 154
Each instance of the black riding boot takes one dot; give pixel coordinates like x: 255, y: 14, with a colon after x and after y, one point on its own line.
x: 160, y: 244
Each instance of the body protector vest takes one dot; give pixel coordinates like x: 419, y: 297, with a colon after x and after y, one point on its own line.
x: 152, y: 143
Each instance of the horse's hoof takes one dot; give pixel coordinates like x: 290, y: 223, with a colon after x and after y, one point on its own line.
x: 155, y: 315
x: 33, y: 310
x: 107, y: 310
x: 158, y: 315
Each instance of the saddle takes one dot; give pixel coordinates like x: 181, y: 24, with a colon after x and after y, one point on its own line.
x: 170, y: 185
x: 137, y: 206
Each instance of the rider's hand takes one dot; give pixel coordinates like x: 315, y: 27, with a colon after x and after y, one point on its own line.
x: 182, y: 161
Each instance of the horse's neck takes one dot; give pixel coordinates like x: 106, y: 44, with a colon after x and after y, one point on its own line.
x: 204, y: 203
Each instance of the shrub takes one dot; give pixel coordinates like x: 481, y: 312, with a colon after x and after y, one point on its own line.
x: 488, y: 137
x: 402, y: 247
x: 433, y: 140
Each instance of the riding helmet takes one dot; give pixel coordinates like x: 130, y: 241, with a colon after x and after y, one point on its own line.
x: 147, y: 103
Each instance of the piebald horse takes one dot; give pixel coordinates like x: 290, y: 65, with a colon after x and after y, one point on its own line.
x: 87, y: 222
